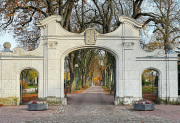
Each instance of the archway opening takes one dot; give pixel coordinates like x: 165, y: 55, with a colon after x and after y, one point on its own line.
x: 91, y: 71
x: 28, y: 85
x: 150, y: 80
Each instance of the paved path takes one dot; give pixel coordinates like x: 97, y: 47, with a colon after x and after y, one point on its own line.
x: 94, y: 106
x: 92, y: 96
x: 19, y: 114
x: 163, y: 111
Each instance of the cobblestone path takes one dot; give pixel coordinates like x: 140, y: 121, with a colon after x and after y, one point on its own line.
x: 94, y: 106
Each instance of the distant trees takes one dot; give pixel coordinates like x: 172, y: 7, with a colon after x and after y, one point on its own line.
x: 150, y: 76
x: 29, y: 75
x: 84, y: 58
x: 21, y: 16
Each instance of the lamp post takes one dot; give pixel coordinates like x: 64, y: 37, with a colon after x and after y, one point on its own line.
x: 76, y: 66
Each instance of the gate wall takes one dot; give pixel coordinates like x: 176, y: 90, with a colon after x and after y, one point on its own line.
x: 56, y: 43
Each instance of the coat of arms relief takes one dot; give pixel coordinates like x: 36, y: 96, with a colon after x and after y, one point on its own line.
x: 90, y: 37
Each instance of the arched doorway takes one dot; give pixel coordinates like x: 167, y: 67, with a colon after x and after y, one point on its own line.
x: 90, y: 67
x: 28, y: 85
x: 150, y: 83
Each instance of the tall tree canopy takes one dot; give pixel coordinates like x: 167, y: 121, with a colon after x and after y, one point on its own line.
x: 77, y: 15
x: 21, y: 16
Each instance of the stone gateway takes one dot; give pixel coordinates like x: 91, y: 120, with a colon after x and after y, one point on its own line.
x: 56, y: 43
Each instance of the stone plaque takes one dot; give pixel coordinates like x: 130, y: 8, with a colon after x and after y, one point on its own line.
x: 128, y: 45
x: 52, y: 44
x: 90, y: 37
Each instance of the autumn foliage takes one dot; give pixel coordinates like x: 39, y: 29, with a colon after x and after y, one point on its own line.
x: 29, y: 97
x: 24, y: 84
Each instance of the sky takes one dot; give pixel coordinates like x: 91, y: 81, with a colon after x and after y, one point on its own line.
x: 7, y: 37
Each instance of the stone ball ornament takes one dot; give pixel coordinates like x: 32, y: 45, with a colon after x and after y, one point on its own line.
x: 170, y: 46
x: 7, y: 47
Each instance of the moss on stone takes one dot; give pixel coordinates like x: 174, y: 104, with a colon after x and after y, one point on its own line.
x: 10, y: 101
x: 168, y: 101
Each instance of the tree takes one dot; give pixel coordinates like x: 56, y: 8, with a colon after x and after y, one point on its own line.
x: 77, y: 15
x: 21, y: 16
x: 152, y: 45
x: 29, y: 75
x: 166, y: 20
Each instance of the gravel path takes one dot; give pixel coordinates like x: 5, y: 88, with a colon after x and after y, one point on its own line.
x: 94, y: 106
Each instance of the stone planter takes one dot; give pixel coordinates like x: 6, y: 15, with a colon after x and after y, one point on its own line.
x: 37, y: 107
x: 144, y: 107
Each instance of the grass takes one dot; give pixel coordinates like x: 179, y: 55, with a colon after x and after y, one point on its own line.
x: 31, y: 86
x: 148, y: 89
x: 105, y: 88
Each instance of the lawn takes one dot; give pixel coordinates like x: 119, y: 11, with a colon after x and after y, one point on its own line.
x: 148, y: 89
x: 31, y: 86
x: 105, y: 88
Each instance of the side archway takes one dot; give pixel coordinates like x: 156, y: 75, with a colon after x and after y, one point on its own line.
x: 151, y: 84
x: 29, y: 81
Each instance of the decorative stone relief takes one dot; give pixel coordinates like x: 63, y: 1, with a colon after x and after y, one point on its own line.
x: 128, y: 45
x: 161, y: 53
x: 90, y: 37
x: 52, y: 44
x: 17, y: 52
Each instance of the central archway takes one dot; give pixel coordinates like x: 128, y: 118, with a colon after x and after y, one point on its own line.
x: 63, y: 60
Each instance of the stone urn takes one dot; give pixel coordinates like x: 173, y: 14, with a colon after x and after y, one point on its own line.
x: 37, y: 106
x: 144, y: 106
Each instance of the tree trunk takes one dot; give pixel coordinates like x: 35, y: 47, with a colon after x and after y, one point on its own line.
x: 71, y: 67
x: 82, y: 79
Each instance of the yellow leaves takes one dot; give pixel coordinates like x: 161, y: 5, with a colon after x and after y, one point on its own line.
x: 68, y: 76
x: 97, y: 78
